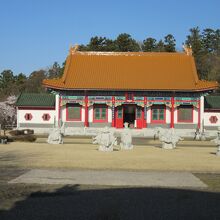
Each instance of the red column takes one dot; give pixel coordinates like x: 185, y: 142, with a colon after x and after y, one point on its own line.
x: 172, y: 113
x: 199, y: 114
x: 59, y: 112
x: 145, y: 106
x: 86, y: 112
x: 113, y: 112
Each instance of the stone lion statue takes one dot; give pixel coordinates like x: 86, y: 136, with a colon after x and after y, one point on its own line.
x: 55, y: 137
x: 105, y: 139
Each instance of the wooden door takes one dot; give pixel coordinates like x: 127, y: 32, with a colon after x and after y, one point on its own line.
x: 119, y: 117
x: 139, y: 117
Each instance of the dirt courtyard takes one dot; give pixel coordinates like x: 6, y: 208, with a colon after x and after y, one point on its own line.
x: 80, y: 154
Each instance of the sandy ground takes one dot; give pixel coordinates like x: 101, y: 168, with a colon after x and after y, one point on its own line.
x: 188, y: 156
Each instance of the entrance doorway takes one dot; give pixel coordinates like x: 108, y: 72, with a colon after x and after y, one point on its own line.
x: 129, y: 114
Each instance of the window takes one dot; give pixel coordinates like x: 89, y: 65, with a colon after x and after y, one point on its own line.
x: 185, y: 113
x: 158, y: 114
x: 46, y: 117
x: 73, y: 112
x: 138, y: 112
x: 28, y: 116
x: 100, y: 113
x: 120, y: 112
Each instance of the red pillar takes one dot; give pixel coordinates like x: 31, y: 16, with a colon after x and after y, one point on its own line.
x: 199, y: 114
x: 145, y: 106
x: 86, y: 112
x: 172, y: 113
x: 113, y: 112
x: 59, y: 112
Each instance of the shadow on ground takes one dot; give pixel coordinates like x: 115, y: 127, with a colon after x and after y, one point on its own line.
x: 71, y: 202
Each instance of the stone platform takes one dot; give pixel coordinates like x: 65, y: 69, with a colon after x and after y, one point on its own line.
x: 111, y: 178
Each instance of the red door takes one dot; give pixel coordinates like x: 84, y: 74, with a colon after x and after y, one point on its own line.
x: 139, y: 117
x: 119, y: 117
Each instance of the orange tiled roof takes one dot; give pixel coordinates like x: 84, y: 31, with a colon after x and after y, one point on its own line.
x: 130, y: 71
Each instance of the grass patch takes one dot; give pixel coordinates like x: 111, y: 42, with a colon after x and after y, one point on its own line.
x: 212, y: 180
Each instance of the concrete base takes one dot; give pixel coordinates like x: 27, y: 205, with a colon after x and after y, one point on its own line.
x: 126, y: 147
x: 106, y: 149
x: 167, y: 146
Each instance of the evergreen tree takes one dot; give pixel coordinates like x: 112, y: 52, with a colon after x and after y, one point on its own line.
x: 83, y: 47
x: 7, y: 80
x: 126, y: 43
x: 96, y: 43
x: 217, y: 42
x: 194, y: 40
x: 208, y: 40
x: 55, y: 71
x: 160, y: 47
x: 149, y: 45
x: 169, y: 43
x: 34, y: 81
x: 20, y: 82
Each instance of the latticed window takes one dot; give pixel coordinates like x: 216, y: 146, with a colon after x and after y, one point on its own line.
x: 28, y: 116
x: 139, y: 112
x: 46, y: 117
x: 120, y: 112
x: 100, y: 113
x: 185, y: 113
x: 158, y: 113
x: 74, y: 112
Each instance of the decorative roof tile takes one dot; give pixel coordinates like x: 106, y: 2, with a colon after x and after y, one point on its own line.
x: 35, y: 100
x: 130, y: 71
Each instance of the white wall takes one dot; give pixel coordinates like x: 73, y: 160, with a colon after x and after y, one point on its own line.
x: 148, y: 115
x: 168, y: 115
x: 36, y: 116
x: 109, y: 114
x: 90, y: 116
x: 57, y: 109
x: 207, y: 116
x: 63, y: 113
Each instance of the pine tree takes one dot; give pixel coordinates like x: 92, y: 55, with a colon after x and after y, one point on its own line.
x: 194, y: 40
x: 208, y: 40
x: 126, y: 43
x: 169, y: 43
x: 149, y: 45
x: 160, y: 47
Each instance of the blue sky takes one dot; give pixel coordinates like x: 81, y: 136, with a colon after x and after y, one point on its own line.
x: 35, y: 33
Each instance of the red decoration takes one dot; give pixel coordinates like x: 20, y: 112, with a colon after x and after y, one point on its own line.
x: 28, y: 116
x: 46, y: 117
x: 213, y: 119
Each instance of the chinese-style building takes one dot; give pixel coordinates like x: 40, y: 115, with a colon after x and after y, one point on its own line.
x: 100, y: 89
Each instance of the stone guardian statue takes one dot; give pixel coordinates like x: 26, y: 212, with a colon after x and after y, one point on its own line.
x: 105, y: 139
x: 55, y: 137
x: 217, y: 141
x: 126, y: 138
x: 169, y: 139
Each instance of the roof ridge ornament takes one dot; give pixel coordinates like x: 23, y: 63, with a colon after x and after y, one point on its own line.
x: 74, y: 49
x: 187, y: 49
